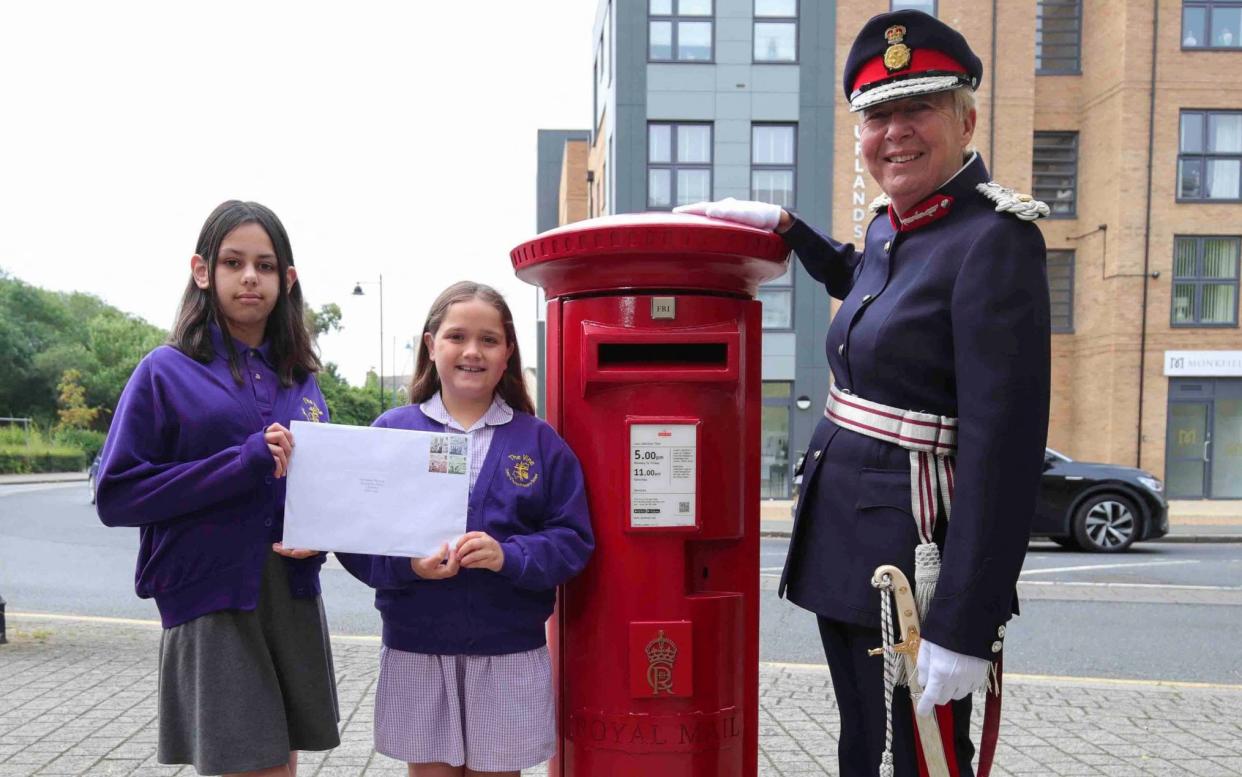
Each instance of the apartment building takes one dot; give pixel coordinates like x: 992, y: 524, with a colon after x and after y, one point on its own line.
x: 1125, y: 116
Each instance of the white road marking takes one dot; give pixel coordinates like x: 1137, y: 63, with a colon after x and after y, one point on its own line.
x: 1161, y: 586
x: 1089, y: 567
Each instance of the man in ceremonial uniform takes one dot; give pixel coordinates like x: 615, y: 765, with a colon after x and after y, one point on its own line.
x: 932, y: 441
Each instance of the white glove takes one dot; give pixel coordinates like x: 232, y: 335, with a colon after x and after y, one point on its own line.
x: 748, y: 212
x: 946, y: 675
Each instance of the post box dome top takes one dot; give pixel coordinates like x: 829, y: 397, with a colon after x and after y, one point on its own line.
x: 664, y: 251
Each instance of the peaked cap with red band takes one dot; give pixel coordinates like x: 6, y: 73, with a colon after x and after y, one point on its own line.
x: 907, y: 53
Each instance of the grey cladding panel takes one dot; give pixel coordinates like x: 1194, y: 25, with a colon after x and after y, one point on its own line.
x: 734, y: 9
x: 673, y: 106
x: 681, y: 78
x: 775, y: 78
x: 733, y: 153
x: 733, y: 29
x: 768, y: 106
x: 734, y: 52
x: 733, y: 105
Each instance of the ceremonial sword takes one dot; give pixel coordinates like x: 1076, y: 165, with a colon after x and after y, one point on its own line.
x: 908, y: 648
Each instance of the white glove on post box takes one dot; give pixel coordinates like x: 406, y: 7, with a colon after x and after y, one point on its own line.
x: 753, y: 214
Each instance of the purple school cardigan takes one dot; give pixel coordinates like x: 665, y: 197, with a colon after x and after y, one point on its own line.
x: 529, y: 496
x: 185, y: 462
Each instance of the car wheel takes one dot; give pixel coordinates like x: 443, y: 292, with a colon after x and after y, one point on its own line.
x: 90, y: 482
x: 1106, y: 523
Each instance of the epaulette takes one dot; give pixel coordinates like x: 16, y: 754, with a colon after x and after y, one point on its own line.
x: 1024, y: 206
x: 879, y: 203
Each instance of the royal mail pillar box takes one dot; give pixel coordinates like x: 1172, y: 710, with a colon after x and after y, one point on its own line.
x: 653, y: 378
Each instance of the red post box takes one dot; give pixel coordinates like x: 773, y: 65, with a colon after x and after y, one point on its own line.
x: 653, y: 378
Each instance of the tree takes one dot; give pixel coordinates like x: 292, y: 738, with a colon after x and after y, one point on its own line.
x: 43, y: 334
x: 326, y: 319
x: 74, y: 413
x: 347, y: 404
x: 118, y: 341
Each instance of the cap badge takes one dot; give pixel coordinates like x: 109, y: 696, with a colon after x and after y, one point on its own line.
x: 897, y: 55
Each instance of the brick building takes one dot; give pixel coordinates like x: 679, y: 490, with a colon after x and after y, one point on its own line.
x: 1124, y: 115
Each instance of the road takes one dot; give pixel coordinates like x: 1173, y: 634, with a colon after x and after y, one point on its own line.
x: 1162, y: 611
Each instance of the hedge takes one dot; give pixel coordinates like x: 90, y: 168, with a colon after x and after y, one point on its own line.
x: 88, y: 441
x: 20, y: 461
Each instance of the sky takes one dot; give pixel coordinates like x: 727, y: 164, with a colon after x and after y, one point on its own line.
x: 391, y: 138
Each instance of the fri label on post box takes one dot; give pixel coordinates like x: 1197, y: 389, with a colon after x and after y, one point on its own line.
x: 662, y: 475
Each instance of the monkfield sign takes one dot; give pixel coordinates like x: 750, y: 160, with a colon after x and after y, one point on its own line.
x: 1203, y: 364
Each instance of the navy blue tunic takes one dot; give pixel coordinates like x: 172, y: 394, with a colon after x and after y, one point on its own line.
x: 948, y: 318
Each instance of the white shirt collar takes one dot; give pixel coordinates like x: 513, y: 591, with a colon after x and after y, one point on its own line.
x: 498, y: 413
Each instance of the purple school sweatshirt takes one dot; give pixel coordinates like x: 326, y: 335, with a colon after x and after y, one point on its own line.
x: 529, y: 496
x: 186, y: 463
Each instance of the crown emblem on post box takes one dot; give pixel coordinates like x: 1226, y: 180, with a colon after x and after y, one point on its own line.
x: 661, y: 653
x: 661, y: 658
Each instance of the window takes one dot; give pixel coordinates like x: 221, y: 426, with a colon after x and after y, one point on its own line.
x: 1209, y: 158
x: 607, y: 36
x: 1058, y: 37
x: 777, y: 298
x: 1061, y: 287
x: 772, y: 161
x: 1212, y: 24
x: 679, y: 31
x: 926, y: 6
x: 1056, y: 172
x: 598, y: 91
x: 1205, y: 281
x: 775, y: 472
x: 679, y: 164
x: 776, y: 30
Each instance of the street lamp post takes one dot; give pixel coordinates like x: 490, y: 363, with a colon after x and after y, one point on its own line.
x: 358, y: 293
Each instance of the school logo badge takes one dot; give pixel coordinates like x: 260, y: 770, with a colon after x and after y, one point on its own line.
x: 311, y: 411
x: 521, y: 470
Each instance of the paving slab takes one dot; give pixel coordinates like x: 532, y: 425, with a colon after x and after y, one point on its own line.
x: 77, y: 697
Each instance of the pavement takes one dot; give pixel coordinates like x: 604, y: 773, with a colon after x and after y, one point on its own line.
x: 42, y: 477
x: 78, y: 697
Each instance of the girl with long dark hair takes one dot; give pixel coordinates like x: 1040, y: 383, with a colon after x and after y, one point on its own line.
x: 195, y: 459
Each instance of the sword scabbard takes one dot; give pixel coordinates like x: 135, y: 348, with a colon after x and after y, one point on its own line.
x: 927, y: 728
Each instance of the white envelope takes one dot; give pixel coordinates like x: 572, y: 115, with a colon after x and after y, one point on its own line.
x: 361, y: 489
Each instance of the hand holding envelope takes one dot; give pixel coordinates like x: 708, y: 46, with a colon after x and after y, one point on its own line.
x: 387, y: 492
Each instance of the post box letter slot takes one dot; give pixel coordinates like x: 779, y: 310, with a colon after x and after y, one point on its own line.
x: 612, y: 355
x: 686, y: 356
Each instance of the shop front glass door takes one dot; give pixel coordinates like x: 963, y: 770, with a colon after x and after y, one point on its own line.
x: 1187, y: 450
x: 1225, y: 451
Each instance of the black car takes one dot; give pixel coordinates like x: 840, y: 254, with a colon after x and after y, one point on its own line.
x: 1102, y: 508
x: 92, y: 474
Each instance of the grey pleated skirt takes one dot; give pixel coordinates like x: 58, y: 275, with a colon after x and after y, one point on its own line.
x: 239, y: 690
